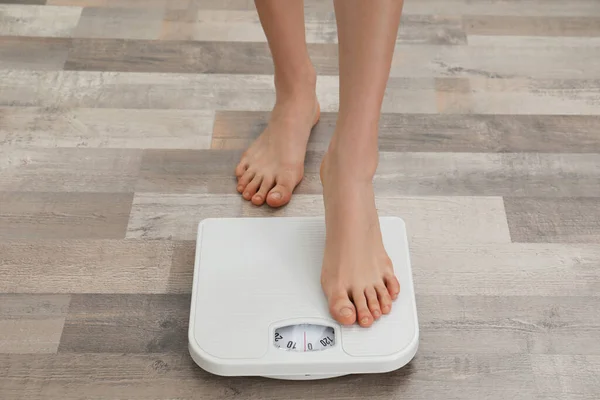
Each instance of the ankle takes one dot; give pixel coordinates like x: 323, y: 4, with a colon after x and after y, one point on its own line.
x: 352, y: 160
x: 296, y: 83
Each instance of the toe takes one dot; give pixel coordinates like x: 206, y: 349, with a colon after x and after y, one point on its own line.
x: 245, y: 180
x: 393, y: 286
x: 373, y: 302
x: 241, y: 168
x: 342, y: 309
x: 365, y: 319
x: 260, y: 196
x: 281, y: 193
x: 252, y: 187
x: 385, y: 301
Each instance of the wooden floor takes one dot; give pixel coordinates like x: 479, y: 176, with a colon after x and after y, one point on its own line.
x: 121, y: 122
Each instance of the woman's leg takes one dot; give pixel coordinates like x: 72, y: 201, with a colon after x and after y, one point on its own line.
x: 274, y: 164
x: 357, y: 274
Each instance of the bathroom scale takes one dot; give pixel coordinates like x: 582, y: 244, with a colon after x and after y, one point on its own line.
x: 257, y: 306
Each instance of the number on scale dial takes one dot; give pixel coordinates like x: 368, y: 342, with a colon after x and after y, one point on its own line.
x: 304, y: 337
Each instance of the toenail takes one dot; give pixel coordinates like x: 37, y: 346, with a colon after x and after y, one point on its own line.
x: 346, y: 312
x: 246, y: 194
x: 365, y: 320
x: 386, y: 308
x: 377, y: 314
x: 276, y: 195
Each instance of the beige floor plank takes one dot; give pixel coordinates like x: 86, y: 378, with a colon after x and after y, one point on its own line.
x: 500, y: 25
x: 157, y: 376
x: 87, y: 266
x: 439, y: 219
x: 31, y: 323
x: 236, y: 130
x: 46, y: 215
x: 168, y: 4
x: 574, y: 220
x: 506, y: 269
x: 88, y: 89
x: 69, y: 170
x: 572, y: 377
x: 244, y: 26
x: 105, y: 128
x: 30, y: 20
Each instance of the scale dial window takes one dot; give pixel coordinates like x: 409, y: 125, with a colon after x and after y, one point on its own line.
x: 304, y: 337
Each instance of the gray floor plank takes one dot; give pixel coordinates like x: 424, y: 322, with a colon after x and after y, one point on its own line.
x: 69, y: 170
x: 436, y: 132
x: 105, y: 128
x: 571, y: 377
x: 156, y: 376
x: 531, y: 26
x: 129, y: 324
x: 554, y: 220
x: 47, y: 215
x: 33, y: 53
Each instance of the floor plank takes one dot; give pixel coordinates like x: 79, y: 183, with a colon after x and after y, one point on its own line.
x: 531, y: 26
x: 119, y: 23
x: 436, y: 132
x: 105, y: 128
x: 69, y: 170
x: 572, y: 377
x: 575, y: 220
x: 87, y: 89
x: 31, y: 323
x: 77, y: 265
x: 156, y: 376
x: 526, y: 324
x: 183, y: 56
x: 46, y: 215
x: 244, y: 26
x: 33, y: 53
x: 500, y: 269
x: 42, y: 21
x: 439, y: 219
x: 135, y: 323
x: 410, y: 174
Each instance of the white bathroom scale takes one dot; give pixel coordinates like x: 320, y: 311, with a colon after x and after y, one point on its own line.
x: 258, y: 309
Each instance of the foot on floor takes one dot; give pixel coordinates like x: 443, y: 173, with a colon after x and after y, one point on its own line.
x: 357, y: 275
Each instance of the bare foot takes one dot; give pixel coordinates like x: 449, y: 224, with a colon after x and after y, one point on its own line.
x: 273, y: 165
x: 357, y: 275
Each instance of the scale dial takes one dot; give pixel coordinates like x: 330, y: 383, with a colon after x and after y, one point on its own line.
x: 304, y: 337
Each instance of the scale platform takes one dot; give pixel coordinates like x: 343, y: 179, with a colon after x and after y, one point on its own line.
x: 258, y: 309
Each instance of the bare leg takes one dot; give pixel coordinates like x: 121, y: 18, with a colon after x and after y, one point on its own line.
x: 273, y: 166
x: 357, y: 274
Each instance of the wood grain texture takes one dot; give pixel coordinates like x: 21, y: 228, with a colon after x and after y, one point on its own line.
x: 46, y: 215
x: 88, y: 89
x: 244, y: 26
x: 183, y: 56
x: 119, y: 23
x: 159, y: 376
x: 167, y: 4
x: 33, y: 53
x: 513, y: 324
x: 69, y: 170
x: 572, y: 377
x: 87, y: 266
x: 436, y: 132
x: 126, y: 324
x: 441, y: 219
x: 567, y: 220
x: 105, y: 128
x: 531, y: 26
x: 31, y: 323
x: 501, y: 269
x: 31, y: 20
